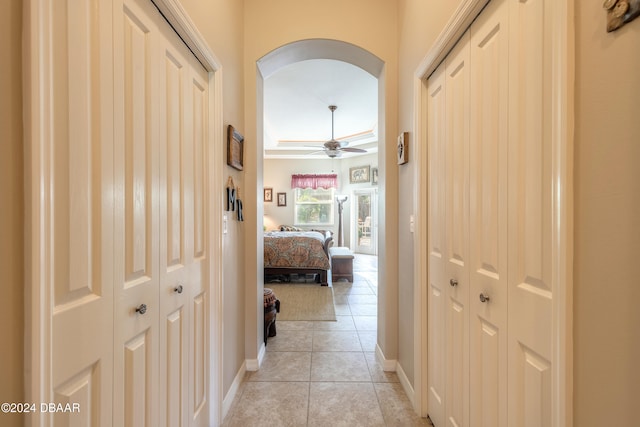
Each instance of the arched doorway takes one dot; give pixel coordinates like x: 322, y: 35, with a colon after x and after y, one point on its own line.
x: 352, y: 54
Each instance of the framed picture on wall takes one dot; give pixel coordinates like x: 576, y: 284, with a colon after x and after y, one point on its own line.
x: 268, y: 194
x: 359, y: 174
x: 235, y: 147
x: 282, y: 199
x: 374, y: 176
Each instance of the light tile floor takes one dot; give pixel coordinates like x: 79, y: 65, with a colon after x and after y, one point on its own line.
x: 326, y: 373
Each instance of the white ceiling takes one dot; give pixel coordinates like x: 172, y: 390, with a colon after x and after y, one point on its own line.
x: 297, y: 119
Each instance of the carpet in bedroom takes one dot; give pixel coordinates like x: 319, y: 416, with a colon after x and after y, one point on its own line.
x: 304, y: 301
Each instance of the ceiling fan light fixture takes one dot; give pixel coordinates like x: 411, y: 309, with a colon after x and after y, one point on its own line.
x: 334, y: 148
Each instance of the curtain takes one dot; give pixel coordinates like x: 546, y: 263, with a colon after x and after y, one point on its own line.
x: 314, y: 181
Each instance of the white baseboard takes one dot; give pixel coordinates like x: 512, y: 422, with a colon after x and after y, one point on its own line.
x: 254, y: 364
x: 233, y: 390
x: 388, y: 365
x: 406, y: 384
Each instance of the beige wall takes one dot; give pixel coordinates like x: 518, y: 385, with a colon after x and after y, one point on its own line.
x: 371, y: 25
x: 419, y: 24
x: 221, y: 22
x: 11, y: 210
x: 607, y: 221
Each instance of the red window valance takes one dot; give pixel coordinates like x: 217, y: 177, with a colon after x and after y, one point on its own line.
x: 314, y: 181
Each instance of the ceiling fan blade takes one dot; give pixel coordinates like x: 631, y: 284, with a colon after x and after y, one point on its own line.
x: 352, y: 150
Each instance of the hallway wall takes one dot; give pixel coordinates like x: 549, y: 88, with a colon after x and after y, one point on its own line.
x: 11, y: 210
x: 419, y: 23
x: 607, y: 226
x: 221, y: 23
x: 371, y: 25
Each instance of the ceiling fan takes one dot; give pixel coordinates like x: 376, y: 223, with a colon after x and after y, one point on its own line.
x: 334, y: 148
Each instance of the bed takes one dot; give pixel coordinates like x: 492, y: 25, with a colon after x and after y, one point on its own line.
x: 297, y: 252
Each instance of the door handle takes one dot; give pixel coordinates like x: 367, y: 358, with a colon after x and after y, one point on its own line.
x: 453, y: 282
x: 142, y: 309
x: 484, y: 298
x: 178, y: 289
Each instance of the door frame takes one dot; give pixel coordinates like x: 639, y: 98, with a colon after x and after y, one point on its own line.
x: 562, y: 77
x: 37, y: 85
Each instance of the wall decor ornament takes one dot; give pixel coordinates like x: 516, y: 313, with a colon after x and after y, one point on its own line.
x: 359, y: 174
x: 231, y: 195
x: 282, y: 199
x: 403, y: 146
x: 619, y: 12
x: 374, y: 176
x: 239, y: 206
x: 233, y: 199
x: 235, y: 148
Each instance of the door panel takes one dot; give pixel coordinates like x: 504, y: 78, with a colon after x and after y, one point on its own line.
x: 174, y: 261
x: 457, y: 233
x: 136, y: 221
x: 198, y: 398
x: 138, y: 355
x: 183, y: 253
x: 530, y: 210
x: 77, y: 208
x: 488, y: 212
x: 436, y: 107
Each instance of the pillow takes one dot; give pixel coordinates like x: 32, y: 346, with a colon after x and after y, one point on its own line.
x: 290, y: 228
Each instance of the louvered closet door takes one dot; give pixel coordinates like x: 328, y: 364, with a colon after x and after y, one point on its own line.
x: 136, y: 147
x: 457, y: 234
x: 77, y: 207
x: 488, y: 216
x: 436, y: 108
x: 530, y: 208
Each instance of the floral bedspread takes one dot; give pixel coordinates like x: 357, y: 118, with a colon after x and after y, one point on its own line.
x: 295, y: 249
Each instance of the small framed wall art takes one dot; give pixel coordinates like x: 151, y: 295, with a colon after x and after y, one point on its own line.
x: 359, y: 174
x: 268, y: 194
x: 235, y: 146
x: 282, y: 199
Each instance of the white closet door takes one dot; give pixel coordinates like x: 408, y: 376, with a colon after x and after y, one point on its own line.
x: 457, y: 233
x: 436, y: 107
x: 488, y: 216
x: 183, y: 100
x: 136, y: 379
x: 76, y: 212
x: 197, y: 253
x: 175, y: 242
x: 530, y: 214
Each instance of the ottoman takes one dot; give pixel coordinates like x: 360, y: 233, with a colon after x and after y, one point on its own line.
x: 341, y: 263
x: 271, y: 307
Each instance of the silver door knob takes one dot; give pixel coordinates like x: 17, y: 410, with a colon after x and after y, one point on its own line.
x: 142, y: 309
x: 178, y: 289
x: 484, y: 298
x: 453, y: 282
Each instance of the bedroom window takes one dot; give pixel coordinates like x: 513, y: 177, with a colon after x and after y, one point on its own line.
x: 313, y: 206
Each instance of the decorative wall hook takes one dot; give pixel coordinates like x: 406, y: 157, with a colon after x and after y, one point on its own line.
x: 619, y: 12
